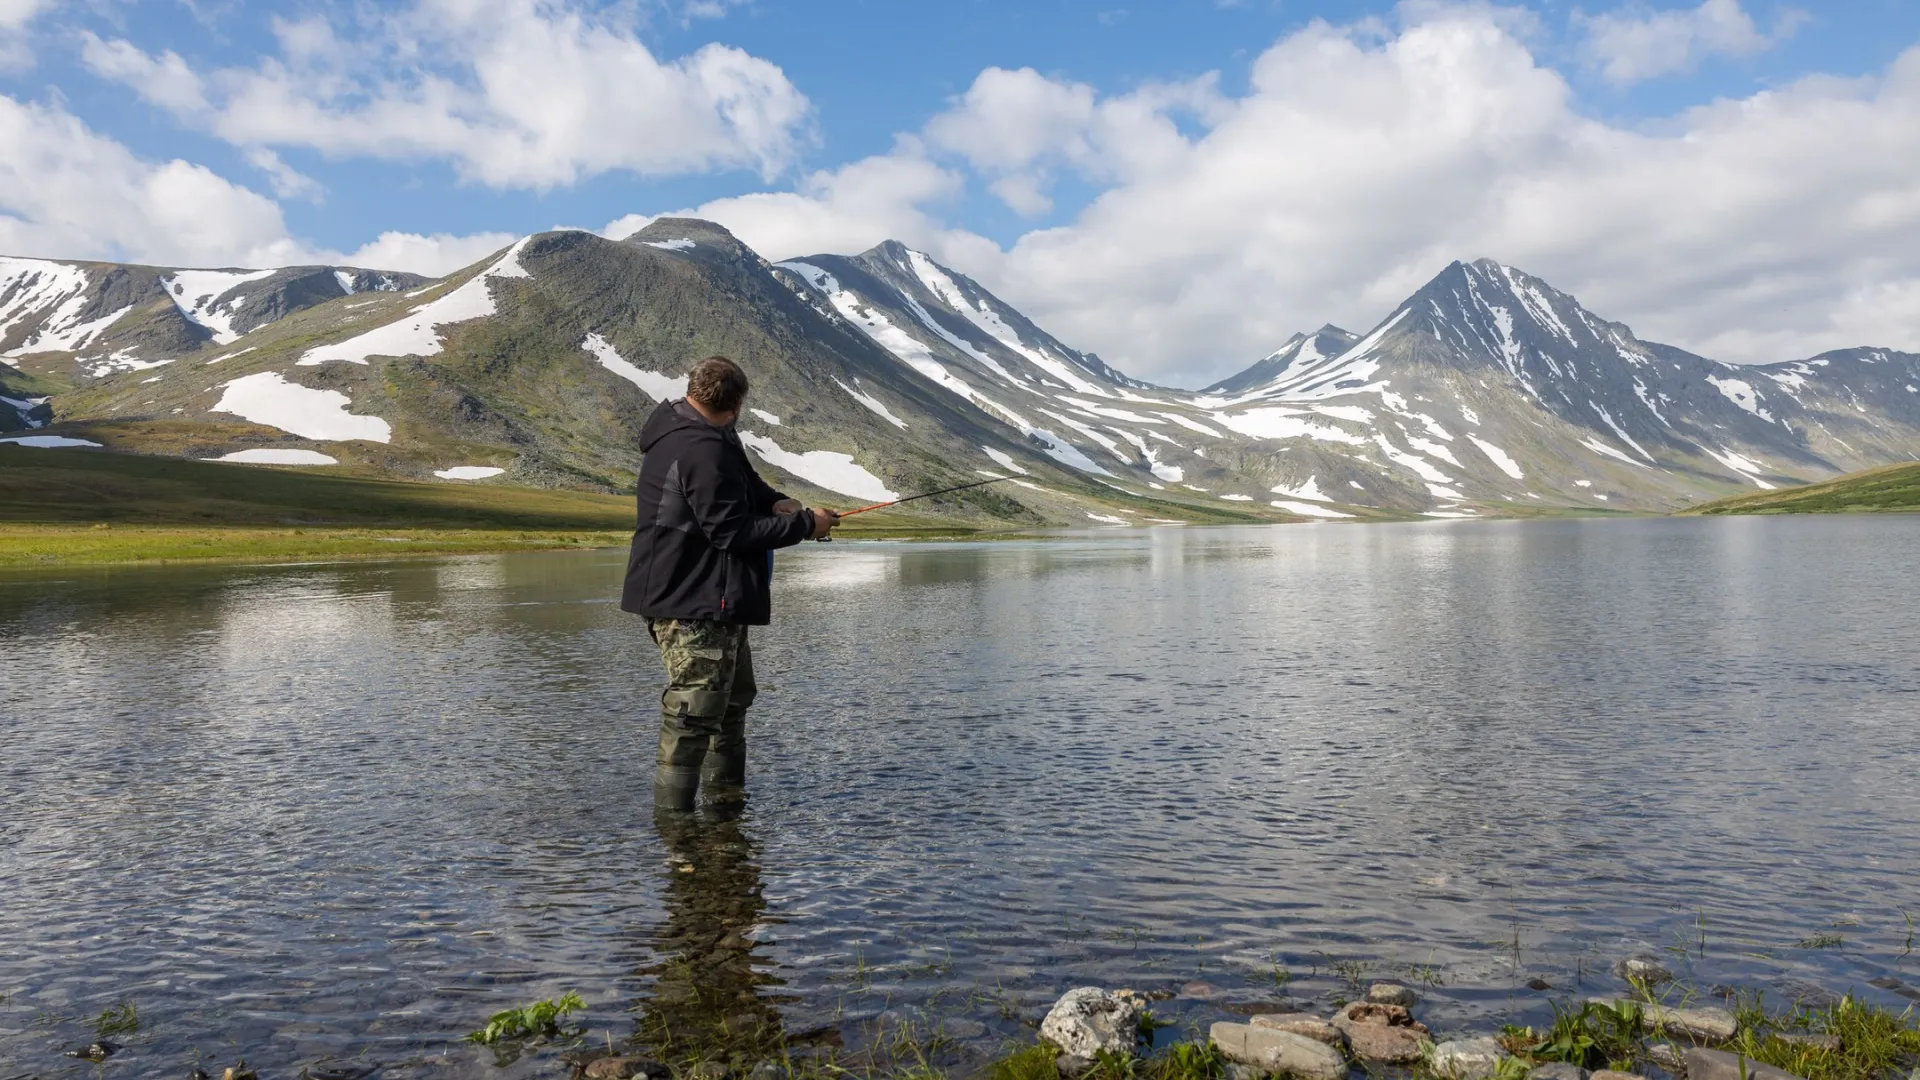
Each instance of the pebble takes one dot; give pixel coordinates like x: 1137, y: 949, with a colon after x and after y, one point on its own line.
x: 1278, y: 1052
x: 1609, y: 1074
x: 1557, y: 1070
x: 96, y: 1051
x: 1303, y: 1024
x: 1539, y: 984
x: 1089, y: 1020
x: 1468, y: 1059
x: 1704, y: 1064
x: 614, y: 1068
x: 1388, y: 993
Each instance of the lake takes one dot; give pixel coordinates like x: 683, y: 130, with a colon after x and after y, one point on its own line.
x: 324, y: 812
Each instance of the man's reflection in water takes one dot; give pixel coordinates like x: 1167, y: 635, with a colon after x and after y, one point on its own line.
x: 708, y: 1001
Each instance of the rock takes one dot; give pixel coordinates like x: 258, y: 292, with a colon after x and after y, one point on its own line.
x: 1303, y: 1024
x: 616, y: 1068
x: 1237, y: 1071
x: 1087, y: 1021
x: 1071, y: 1066
x: 1644, y: 969
x: 1384, y: 1033
x: 1539, y: 984
x: 1200, y: 991
x: 1806, y: 995
x: 707, y: 1070
x: 767, y: 1070
x: 1278, y: 1052
x: 1829, y: 1043
x: 240, y: 1072
x: 95, y: 1051
x: 1704, y: 1064
x: 1667, y: 1056
x: 1264, y: 1007
x: 1388, y: 993
x: 1468, y: 1059
x: 1557, y: 1070
x: 1609, y: 1074
x: 1708, y: 1024
x: 958, y: 1029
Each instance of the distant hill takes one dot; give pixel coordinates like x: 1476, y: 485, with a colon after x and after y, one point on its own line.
x: 1891, y: 488
x: 884, y: 373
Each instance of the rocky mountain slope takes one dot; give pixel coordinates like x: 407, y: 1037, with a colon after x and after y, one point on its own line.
x: 885, y: 373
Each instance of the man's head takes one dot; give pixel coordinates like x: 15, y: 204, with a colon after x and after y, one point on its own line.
x: 717, y: 388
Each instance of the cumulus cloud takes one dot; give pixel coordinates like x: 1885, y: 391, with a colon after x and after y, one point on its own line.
x: 68, y: 192
x: 514, y: 93
x: 1635, y: 45
x: 1363, y: 159
x: 15, y: 17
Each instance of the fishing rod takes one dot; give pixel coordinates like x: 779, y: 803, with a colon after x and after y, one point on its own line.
x: 923, y: 495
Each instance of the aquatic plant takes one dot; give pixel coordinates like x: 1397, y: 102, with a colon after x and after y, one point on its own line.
x: 1593, y: 1036
x: 528, y: 1021
x: 1874, y: 1043
x: 121, y: 1019
x: 1036, y: 1062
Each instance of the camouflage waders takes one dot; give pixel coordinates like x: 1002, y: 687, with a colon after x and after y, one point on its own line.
x: 703, y: 711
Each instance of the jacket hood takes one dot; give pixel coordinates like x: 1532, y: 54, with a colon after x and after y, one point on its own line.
x: 669, y: 417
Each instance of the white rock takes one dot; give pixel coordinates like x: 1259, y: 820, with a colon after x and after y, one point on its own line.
x: 1088, y: 1021
x: 1280, y: 1052
x: 1468, y: 1059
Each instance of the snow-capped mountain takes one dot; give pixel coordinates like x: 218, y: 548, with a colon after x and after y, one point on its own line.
x: 1493, y: 384
x: 881, y: 373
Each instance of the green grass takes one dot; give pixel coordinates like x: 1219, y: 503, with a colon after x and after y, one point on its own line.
x: 1875, y: 1044
x: 540, y: 1019
x: 1893, y: 488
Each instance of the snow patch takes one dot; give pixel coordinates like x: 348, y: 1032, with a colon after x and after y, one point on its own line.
x: 678, y: 243
x: 651, y: 383
x: 468, y: 472
x: 414, y: 334
x: 1004, y: 460
x: 1498, y: 456
x: 48, y: 441
x: 198, y: 293
x: 1107, y: 519
x: 766, y: 416
x: 1741, y: 393
x: 821, y: 468
x: 1745, y: 466
x: 1309, y: 491
x: 268, y: 398
x: 1281, y: 423
x: 872, y: 403
x: 1307, y: 509
x: 267, y: 456
x: 1604, y: 450
x: 1237, y: 498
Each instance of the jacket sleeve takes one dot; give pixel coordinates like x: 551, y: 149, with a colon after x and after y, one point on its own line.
x: 724, y: 504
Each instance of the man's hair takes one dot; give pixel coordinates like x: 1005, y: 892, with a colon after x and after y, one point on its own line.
x: 718, y: 383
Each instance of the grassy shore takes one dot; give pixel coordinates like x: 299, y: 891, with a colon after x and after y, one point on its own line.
x: 1890, y: 489
x: 70, y: 507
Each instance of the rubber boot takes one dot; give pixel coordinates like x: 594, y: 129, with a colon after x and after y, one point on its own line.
x: 675, y: 787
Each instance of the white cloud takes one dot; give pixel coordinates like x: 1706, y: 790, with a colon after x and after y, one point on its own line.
x: 288, y: 182
x: 68, y: 192
x: 1361, y: 160
x: 514, y: 93
x: 1637, y: 44
x: 16, y: 16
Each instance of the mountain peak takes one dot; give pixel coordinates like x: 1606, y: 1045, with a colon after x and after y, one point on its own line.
x: 680, y: 233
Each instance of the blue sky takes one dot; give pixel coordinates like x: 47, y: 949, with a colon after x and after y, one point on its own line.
x: 1091, y: 129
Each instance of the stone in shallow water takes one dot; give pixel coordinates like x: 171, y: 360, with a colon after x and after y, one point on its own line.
x: 1609, y: 1074
x: 1468, y: 1059
x: 1087, y: 1021
x: 1539, y: 984
x: 1667, y: 1056
x: 1303, y: 1024
x: 1557, y: 1070
x: 1278, y: 1052
x: 1829, y: 1043
x: 1704, y: 1064
x: 1708, y: 1024
x: 1384, y: 1033
x: 1392, y: 993
x: 1644, y: 968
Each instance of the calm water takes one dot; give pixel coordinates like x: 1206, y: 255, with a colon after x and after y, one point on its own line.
x: 349, y: 810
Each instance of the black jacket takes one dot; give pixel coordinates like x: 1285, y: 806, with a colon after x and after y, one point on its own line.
x: 702, y: 548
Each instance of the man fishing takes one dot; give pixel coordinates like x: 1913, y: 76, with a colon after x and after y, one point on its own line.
x: 700, y: 572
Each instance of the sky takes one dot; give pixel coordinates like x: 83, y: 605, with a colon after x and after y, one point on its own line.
x: 1176, y: 186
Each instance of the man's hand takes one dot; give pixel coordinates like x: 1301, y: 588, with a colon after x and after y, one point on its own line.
x: 823, y: 522
x: 787, y: 506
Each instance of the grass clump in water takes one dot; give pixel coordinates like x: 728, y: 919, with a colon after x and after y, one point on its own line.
x: 1180, y: 1061
x: 542, y: 1018
x: 121, y: 1019
x: 1594, y: 1036
x: 1874, y: 1043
